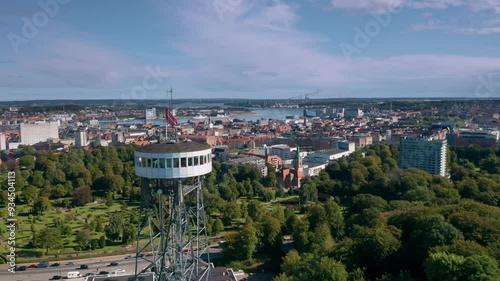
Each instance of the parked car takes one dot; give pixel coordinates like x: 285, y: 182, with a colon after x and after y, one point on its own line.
x: 56, y: 277
x: 113, y: 264
x: 103, y: 272
x: 55, y: 264
x: 84, y: 266
x: 21, y: 268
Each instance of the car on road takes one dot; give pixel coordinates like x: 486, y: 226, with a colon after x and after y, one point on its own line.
x: 56, y: 277
x: 71, y: 263
x: 130, y: 257
x: 113, y: 264
x: 21, y: 268
x: 89, y: 274
x: 120, y: 271
x: 103, y: 272
x: 42, y: 264
x: 84, y: 266
x: 32, y: 265
x: 55, y: 264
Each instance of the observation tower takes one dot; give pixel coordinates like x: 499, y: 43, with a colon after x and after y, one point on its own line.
x: 172, y: 214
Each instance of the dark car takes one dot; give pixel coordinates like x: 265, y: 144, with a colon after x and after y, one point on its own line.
x: 56, y: 277
x: 103, y: 272
x: 55, y: 264
x: 21, y: 268
x: 113, y: 264
x: 84, y: 266
x: 89, y: 274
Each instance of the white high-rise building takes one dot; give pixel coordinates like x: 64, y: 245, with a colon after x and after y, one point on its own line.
x: 81, y: 139
x: 150, y: 115
x: 38, y: 132
x: 3, y: 145
x: 425, y: 153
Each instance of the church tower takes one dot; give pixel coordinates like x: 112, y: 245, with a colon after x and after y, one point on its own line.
x: 299, y: 170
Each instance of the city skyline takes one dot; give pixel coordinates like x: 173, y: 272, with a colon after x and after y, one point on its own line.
x: 249, y: 49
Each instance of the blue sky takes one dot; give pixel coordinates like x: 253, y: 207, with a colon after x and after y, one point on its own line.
x: 124, y: 49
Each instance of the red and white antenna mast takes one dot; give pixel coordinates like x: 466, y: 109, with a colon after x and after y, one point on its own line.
x: 169, y: 117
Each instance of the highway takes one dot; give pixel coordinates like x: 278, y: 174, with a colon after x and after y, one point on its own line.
x: 95, y: 266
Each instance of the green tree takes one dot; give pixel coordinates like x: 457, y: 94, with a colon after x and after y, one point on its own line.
x: 217, y: 226
x: 109, y: 199
x: 48, y: 238
x: 480, y: 268
x: 271, y: 231
x: 115, y: 227
x: 443, y: 267
x: 309, y: 193
x: 248, y: 239
x: 41, y: 205
x: 82, y: 196
x: 30, y: 193
x: 330, y: 270
x: 129, y: 233
x: 83, y: 238
x: 27, y: 161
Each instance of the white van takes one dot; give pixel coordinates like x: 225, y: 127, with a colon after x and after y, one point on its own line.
x: 120, y: 271
x: 74, y: 274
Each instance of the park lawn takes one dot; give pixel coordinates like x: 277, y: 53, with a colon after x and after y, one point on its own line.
x: 90, y: 211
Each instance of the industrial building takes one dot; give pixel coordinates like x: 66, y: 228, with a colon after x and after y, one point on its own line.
x: 32, y: 133
x: 425, y: 153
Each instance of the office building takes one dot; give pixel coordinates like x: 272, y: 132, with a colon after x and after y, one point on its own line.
x: 81, y: 139
x: 38, y: 132
x: 425, y: 153
x: 353, y: 113
x: 482, y: 138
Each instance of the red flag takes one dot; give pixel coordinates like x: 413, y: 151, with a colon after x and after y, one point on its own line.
x: 170, y: 118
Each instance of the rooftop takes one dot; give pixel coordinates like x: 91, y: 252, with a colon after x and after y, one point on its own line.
x: 173, y: 147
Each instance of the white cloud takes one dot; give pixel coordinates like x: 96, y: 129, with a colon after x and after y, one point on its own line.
x: 255, y: 52
x: 376, y: 5
x: 479, y: 31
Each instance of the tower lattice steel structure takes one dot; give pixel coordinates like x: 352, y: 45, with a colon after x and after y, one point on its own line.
x: 172, y: 214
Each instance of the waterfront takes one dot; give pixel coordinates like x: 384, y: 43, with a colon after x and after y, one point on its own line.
x: 253, y: 115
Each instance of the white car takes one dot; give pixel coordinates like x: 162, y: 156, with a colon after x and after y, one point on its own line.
x: 71, y: 263
x: 120, y: 271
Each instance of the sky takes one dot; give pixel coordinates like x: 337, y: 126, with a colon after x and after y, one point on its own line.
x: 136, y: 49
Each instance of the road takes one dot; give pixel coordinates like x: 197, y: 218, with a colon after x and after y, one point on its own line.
x: 95, y: 265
